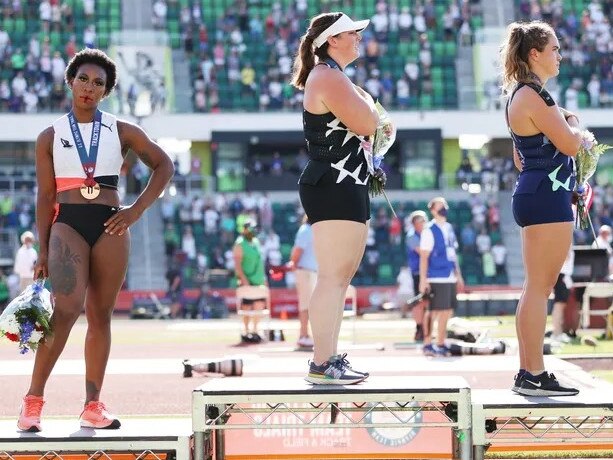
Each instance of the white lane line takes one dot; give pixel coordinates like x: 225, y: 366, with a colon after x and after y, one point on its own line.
x: 255, y: 364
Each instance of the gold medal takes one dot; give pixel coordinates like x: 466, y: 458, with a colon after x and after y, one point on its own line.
x: 90, y: 192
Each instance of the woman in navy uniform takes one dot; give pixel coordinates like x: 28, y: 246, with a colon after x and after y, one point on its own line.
x: 338, y: 116
x: 546, y: 139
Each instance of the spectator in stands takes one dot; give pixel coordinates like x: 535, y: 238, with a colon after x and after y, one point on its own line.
x: 160, y: 10
x: 542, y: 198
x: 89, y: 36
x: 468, y: 237
x: 571, y: 96
x: 249, y: 269
x: 89, y: 8
x: 83, y: 231
x: 188, y: 243
x: 171, y: 241
x: 405, y: 22
x: 5, y: 94
x: 303, y: 262
x: 25, y: 258
x: 4, y: 41
x: 218, y: 261
x: 413, y: 241
x: 403, y: 92
x: 175, y: 289
x: 484, y: 242
x: 593, y: 88
x: 265, y: 211
x: 333, y: 189
x: 499, y: 252
x: 439, y: 274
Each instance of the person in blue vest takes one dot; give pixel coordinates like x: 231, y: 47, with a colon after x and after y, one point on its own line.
x: 439, y: 275
x: 418, y: 220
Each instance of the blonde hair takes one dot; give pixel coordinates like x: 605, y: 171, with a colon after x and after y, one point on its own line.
x: 305, y: 59
x: 520, y: 39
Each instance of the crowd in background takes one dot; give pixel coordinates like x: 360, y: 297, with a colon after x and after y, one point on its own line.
x: 33, y: 69
x: 201, y: 231
x: 224, y: 54
x: 585, y: 41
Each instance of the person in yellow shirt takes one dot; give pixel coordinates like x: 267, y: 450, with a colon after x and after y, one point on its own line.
x: 248, y: 79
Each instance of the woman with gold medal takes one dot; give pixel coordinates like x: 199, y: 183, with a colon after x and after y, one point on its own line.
x: 83, y: 230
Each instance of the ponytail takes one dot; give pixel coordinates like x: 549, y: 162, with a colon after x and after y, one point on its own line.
x: 514, y: 51
x: 305, y: 59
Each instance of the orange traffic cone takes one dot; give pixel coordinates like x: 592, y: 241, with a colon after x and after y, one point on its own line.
x: 283, y: 314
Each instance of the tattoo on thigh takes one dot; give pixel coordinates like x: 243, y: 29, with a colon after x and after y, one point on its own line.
x: 63, y: 267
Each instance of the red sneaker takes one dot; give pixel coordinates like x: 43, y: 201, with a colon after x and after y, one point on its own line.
x: 29, y: 413
x: 95, y: 415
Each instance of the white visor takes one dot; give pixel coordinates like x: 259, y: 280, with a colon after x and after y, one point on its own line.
x: 342, y: 24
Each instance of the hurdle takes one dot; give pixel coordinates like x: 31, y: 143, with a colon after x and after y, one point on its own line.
x: 507, y: 421
x: 59, y: 438
x: 254, y: 401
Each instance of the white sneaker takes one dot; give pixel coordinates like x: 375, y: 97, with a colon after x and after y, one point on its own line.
x: 305, y: 342
x: 562, y: 338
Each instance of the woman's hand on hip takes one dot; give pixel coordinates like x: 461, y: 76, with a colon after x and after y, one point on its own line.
x: 122, y: 220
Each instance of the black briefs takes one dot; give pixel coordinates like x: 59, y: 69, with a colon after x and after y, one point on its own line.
x: 86, y: 219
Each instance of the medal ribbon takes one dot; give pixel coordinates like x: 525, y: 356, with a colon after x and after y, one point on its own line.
x: 87, y: 161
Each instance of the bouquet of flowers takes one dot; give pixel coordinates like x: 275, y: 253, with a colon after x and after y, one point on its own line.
x: 26, y: 319
x: 586, y: 160
x: 384, y: 138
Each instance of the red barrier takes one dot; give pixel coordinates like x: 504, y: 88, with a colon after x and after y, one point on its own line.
x: 284, y: 299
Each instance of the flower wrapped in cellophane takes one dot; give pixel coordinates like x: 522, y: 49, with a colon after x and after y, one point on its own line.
x: 26, y: 320
x: 587, y: 161
x: 384, y: 138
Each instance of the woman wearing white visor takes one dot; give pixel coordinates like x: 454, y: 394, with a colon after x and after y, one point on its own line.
x: 338, y: 117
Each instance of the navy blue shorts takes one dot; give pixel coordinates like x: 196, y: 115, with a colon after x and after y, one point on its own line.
x: 544, y: 206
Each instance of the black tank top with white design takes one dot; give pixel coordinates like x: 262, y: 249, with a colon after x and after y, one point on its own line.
x: 331, y: 145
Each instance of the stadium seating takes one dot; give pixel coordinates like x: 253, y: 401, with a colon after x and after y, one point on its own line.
x: 579, y: 45
x: 24, y: 23
x: 396, y: 51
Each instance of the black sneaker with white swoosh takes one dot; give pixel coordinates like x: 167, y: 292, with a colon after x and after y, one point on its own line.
x: 544, y: 384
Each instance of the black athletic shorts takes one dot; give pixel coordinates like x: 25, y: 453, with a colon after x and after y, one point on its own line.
x: 323, y: 199
x: 443, y: 296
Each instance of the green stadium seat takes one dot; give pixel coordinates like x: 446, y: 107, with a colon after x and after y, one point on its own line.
x: 385, y: 272
x: 425, y: 101
x: 451, y: 49
x: 476, y: 22
x: 438, y: 49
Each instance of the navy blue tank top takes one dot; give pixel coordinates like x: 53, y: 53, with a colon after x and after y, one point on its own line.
x: 540, y: 159
x: 331, y: 145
